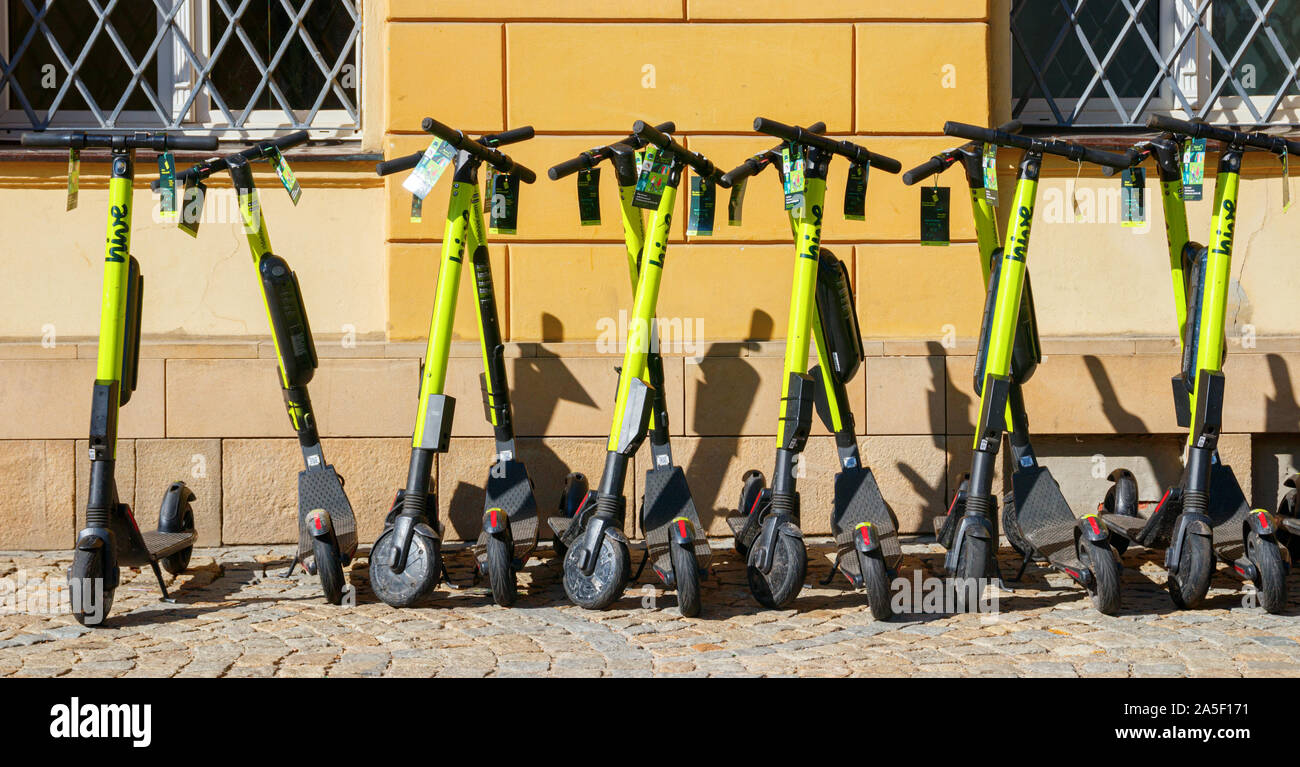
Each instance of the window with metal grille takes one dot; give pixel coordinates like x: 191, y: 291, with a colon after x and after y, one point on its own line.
x: 238, y: 67
x: 1111, y: 63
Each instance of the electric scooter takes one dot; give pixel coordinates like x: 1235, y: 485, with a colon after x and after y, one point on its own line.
x: 675, y: 542
x: 406, y: 560
x: 822, y: 313
x: 1038, y: 520
x: 111, y: 537
x: 597, y: 561
x: 327, y: 528
x: 1207, y: 515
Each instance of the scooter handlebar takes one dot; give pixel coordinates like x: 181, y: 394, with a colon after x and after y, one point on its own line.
x: 939, y: 162
x: 1274, y: 144
x: 498, y: 160
x: 1066, y: 149
x: 698, y: 162
x: 158, y: 142
x: 398, y: 164
x: 596, y: 155
x: 754, y: 165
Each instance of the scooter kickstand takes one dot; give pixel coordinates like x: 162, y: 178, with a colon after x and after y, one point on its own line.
x: 157, y: 573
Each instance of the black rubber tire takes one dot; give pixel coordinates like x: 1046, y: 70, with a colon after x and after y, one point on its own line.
x: 501, y: 571
x: 875, y: 579
x: 607, y: 582
x: 88, y: 566
x: 686, y: 573
x: 1287, y: 508
x: 414, y: 584
x: 180, y: 561
x: 1107, y: 573
x: 329, y: 568
x: 1271, y: 585
x: 1011, y: 527
x: 972, y: 566
x: 779, y: 587
x: 1191, y: 584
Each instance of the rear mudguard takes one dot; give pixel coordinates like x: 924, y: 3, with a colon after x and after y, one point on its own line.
x: 1189, y: 523
x: 864, y: 538
x: 1090, y: 527
x: 774, y: 525
x: 1124, y: 503
x: 496, y: 522
x: 681, y: 531
x: 1266, y: 526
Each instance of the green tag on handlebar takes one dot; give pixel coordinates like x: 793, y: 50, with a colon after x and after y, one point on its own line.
x: 74, y: 177
x: 1193, y: 169
x: 417, y: 209
x: 991, y: 173
x: 167, y: 185
x: 934, y: 215
x: 855, y: 193
x: 435, y: 160
x: 792, y: 175
x: 502, y: 202
x: 654, y: 177
x: 1132, y: 203
x: 704, y: 202
x: 736, y: 202
x: 589, y: 196
x: 192, y: 198
x: 286, y: 175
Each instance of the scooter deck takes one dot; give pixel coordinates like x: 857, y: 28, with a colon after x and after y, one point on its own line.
x: 321, y: 488
x: 160, y: 544
x: 510, y: 489
x: 668, y: 497
x: 1228, y: 510
x: 1153, y: 531
x: 857, y: 501
x: 1045, y: 519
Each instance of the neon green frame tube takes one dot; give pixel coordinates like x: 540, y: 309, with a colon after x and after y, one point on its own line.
x: 458, y: 238
x: 1214, y: 301
x: 1171, y: 199
x: 803, y: 321
x: 986, y: 229
x: 117, y: 268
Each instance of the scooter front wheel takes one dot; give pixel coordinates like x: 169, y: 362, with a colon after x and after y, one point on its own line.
x: 875, y: 578
x: 414, y: 583
x: 1190, y: 584
x: 607, y: 581
x: 686, y: 574
x: 1271, y: 581
x: 501, y: 571
x: 1106, y: 574
x: 329, y: 568
x: 90, y: 596
x: 778, y: 587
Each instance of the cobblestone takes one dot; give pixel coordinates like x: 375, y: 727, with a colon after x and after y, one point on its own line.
x: 237, y: 615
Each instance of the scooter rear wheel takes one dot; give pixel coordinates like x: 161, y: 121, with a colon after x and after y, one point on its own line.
x: 607, y: 581
x: 875, y: 578
x: 87, y: 572
x: 780, y: 585
x: 1192, y: 581
x: 1271, y: 584
x: 501, y: 572
x: 1106, y: 573
x: 329, y: 568
x: 180, y: 561
x: 686, y: 574
x: 414, y: 584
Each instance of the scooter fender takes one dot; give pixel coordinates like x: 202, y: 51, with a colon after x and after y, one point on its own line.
x: 1091, y: 528
x: 587, y: 550
x: 319, y: 524
x: 763, y: 547
x: 1123, y: 504
x: 865, y: 539
x: 972, y: 524
x: 92, y: 538
x: 1265, y: 525
x: 495, y: 522
x: 1188, y: 524
x: 681, y: 531
x: 404, y: 527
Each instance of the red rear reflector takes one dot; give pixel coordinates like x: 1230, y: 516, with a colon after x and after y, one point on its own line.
x: 681, y: 527
x: 319, y: 525
x: 1095, y: 527
x: 1263, y: 521
x: 1239, y: 569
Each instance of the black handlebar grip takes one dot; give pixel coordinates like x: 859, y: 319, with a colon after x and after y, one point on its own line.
x: 1106, y: 159
x: 570, y: 166
x: 644, y: 130
x: 749, y: 167
x: 398, y: 164
x: 43, y: 139
x: 524, y: 174
x: 291, y: 140
x: 512, y: 136
x: 926, y: 169
x: 969, y: 132
x: 450, y: 135
x: 859, y: 154
x: 199, y: 143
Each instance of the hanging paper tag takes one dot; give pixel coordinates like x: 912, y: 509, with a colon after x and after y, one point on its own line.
x: 855, y: 193
x: 502, y: 202
x: 654, y: 176
x: 1074, y: 195
x: 287, y: 178
x: 1286, y: 180
x: 792, y: 175
x: 167, y: 185
x: 426, y: 173
x: 192, y: 198
x: 736, y: 202
x: 934, y: 215
x: 1133, y: 209
x: 704, y: 202
x: 417, y: 209
x: 991, y: 174
x: 1193, y: 169
x: 74, y: 176
x: 589, y: 196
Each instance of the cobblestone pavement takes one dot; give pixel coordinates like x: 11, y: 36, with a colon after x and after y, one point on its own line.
x: 237, y: 616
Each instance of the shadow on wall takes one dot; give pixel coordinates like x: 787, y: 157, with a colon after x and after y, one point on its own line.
x: 1121, y: 420
x: 1274, y: 457
x: 934, y: 497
